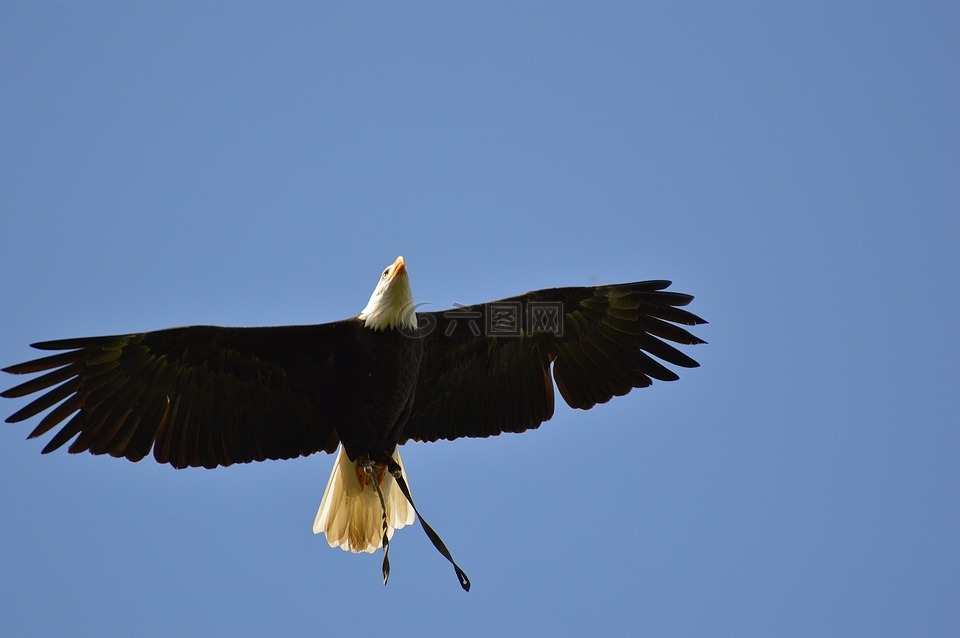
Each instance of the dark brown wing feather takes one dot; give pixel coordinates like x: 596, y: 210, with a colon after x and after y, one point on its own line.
x: 479, y: 386
x: 197, y: 396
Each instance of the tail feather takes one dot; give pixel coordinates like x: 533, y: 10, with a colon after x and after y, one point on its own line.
x: 350, y: 514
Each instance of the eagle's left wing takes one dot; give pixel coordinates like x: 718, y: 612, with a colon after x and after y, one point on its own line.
x: 478, y: 380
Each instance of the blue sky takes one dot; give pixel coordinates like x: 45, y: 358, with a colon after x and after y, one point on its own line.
x: 793, y: 164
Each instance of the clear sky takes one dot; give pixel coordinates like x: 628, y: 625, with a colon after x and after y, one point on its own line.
x: 795, y: 165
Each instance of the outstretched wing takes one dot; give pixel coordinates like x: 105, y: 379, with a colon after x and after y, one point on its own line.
x: 476, y: 380
x: 197, y: 396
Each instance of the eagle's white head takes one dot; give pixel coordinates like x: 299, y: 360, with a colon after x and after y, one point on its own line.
x: 391, y: 304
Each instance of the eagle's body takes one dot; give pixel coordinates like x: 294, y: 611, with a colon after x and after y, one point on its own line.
x: 373, y: 383
x: 210, y: 396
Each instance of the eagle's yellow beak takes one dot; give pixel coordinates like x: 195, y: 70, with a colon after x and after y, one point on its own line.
x: 399, y: 267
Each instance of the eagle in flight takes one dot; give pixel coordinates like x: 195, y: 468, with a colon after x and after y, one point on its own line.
x: 206, y: 396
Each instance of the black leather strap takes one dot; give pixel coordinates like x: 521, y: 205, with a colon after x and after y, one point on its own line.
x: 383, y: 521
x: 397, y: 473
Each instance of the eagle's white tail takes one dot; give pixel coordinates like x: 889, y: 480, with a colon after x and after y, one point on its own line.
x: 350, y: 514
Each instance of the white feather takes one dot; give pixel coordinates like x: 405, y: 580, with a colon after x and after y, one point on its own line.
x: 391, y: 303
x: 350, y: 514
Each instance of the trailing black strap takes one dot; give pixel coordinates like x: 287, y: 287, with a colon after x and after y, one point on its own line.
x: 397, y: 473
x: 383, y: 521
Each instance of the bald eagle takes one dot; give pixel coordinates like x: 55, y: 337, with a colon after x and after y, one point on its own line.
x: 207, y: 396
